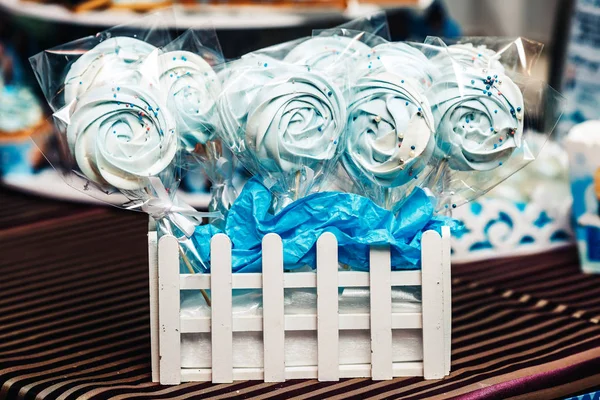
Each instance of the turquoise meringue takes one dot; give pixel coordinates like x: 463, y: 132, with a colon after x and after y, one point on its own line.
x: 190, y: 88
x: 107, y: 63
x: 241, y: 82
x: 479, y: 115
x: 324, y: 52
x: 121, y: 135
x: 403, y: 60
x: 390, y: 131
x: 470, y: 55
x: 295, y: 122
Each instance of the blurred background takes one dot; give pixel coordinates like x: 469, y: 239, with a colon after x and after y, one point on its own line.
x: 569, y: 63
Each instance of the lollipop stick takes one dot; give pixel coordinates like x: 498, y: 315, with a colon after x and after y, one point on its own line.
x: 296, y: 193
x: 187, y: 263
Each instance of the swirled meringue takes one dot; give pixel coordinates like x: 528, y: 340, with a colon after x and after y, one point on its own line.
x: 468, y: 54
x: 401, y: 59
x: 323, y: 52
x: 241, y: 82
x: 121, y: 136
x: 190, y: 86
x: 390, y: 131
x: 107, y: 63
x: 479, y: 117
x: 295, y: 121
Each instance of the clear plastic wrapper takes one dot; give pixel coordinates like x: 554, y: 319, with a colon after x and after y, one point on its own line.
x: 482, y: 118
x: 283, y: 108
x: 119, y: 130
x: 507, y: 55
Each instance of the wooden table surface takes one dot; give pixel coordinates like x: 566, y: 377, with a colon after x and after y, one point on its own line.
x: 74, y: 319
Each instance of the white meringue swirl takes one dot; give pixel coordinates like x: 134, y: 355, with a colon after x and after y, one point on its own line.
x: 241, y: 82
x: 295, y: 122
x: 470, y: 55
x: 390, y: 131
x: 190, y: 86
x: 479, y: 117
x: 403, y: 60
x: 323, y: 52
x: 109, y: 62
x: 121, y: 136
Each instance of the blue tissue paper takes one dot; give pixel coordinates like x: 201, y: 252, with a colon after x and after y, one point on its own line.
x: 356, y: 222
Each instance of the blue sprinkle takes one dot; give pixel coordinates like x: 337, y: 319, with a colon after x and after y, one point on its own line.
x: 495, y: 76
x: 174, y: 58
x: 491, y: 129
x: 472, y: 81
x: 115, y: 96
x: 489, y: 77
x: 495, y: 111
x: 419, y: 109
x: 329, y: 93
x: 115, y: 132
x: 369, y: 56
x: 453, y: 205
x: 171, y: 75
x: 500, y: 163
x: 319, y: 129
x: 155, y: 114
x: 407, y: 103
x: 118, y: 88
x: 495, y: 146
x: 485, y: 91
x: 446, y: 206
x: 518, y: 108
x: 412, y: 147
x: 369, y: 66
x: 80, y: 82
x: 335, y: 142
x: 118, y: 103
x: 379, y: 58
x: 488, y: 87
x: 265, y: 64
x: 478, y: 55
x: 157, y: 108
x: 150, y: 108
x: 183, y: 58
x: 468, y: 120
x: 489, y: 93
x: 402, y: 81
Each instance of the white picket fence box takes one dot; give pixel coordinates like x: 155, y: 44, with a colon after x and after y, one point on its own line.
x: 167, y: 325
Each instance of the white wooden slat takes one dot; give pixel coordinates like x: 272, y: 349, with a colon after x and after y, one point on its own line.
x: 273, y: 309
x: 221, y: 309
x: 401, y: 369
x: 432, y: 304
x: 447, y: 287
x: 300, y: 280
x: 168, y: 309
x: 303, y: 322
x: 381, y: 313
x: 327, y: 308
x: 153, y: 289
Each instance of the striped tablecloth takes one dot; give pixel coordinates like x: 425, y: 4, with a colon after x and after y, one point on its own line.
x: 74, y: 319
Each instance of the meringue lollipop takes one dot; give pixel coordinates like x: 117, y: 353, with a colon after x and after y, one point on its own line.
x: 389, y: 133
x: 470, y: 55
x: 322, y: 52
x: 294, y: 126
x: 480, y: 118
x: 403, y: 60
x: 241, y: 82
x: 191, y: 87
x: 107, y: 63
x: 121, y: 136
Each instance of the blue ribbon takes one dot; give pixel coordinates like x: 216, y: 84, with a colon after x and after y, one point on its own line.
x: 356, y: 222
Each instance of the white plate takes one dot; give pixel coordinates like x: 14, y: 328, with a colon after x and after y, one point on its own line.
x: 48, y: 183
